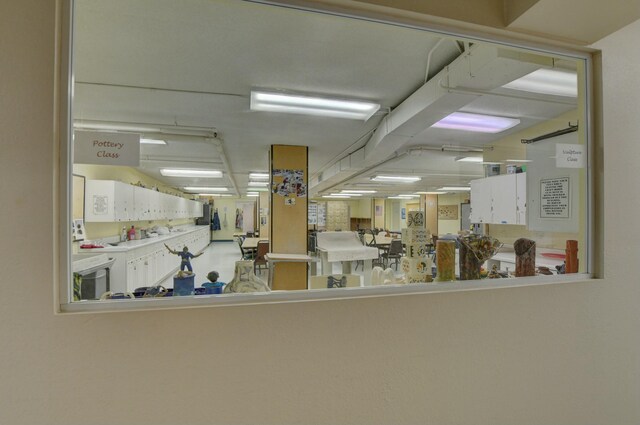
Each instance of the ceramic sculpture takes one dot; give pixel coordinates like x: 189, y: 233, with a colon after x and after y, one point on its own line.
x: 245, y: 280
x: 446, y: 260
x: 416, y: 265
x: 525, y: 250
x: 571, y: 259
x: 474, y: 251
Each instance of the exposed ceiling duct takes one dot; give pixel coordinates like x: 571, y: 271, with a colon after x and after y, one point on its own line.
x: 477, y: 71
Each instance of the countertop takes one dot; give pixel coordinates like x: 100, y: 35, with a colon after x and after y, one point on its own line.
x: 138, y: 243
x: 507, y: 255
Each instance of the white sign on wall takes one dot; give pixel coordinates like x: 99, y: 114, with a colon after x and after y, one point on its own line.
x: 104, y: 148
x: 570, y: 156
x: 554, y: 198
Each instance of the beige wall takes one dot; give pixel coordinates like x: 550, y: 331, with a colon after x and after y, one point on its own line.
x: 561, y: 354
x: 451, y: 226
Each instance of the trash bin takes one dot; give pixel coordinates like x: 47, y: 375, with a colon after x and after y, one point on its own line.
x: 183, y: 285
x: 94, y: 285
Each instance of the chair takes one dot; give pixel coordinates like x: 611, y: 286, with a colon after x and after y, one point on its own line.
x: 374, y: 244
x: 263, y: 248
x: 363, y: 242
x: 394, y: 253
x: 245, y: 255
x: 334, y: 281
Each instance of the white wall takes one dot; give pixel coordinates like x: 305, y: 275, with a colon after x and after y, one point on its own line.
x: 562, y: 354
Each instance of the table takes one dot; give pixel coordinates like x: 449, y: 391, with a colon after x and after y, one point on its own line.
x: 381, y: 240
x: 252, y: 243
x: 344, y: 247
x: 273, y: 258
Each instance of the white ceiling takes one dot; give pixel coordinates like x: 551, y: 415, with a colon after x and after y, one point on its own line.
x: 189, y: 66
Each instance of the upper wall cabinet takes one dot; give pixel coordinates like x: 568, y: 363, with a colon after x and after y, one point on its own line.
x: 499, y: 199
x: 109, y: 201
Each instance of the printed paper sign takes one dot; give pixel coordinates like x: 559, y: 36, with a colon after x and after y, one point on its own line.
x: 554, y: 198
x: 570, y: 156
x: 104, y: 148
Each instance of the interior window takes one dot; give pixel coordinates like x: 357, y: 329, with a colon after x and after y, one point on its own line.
x: 431, y: 158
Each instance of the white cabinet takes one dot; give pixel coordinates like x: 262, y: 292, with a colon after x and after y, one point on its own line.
x: 499, y: 199
x: 521, y: 198
x: 503, y: 199
x: 480, y: 201
x: 108, y: 201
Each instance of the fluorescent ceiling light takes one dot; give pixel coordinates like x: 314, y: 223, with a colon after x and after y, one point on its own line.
x: 206, y: 189
x: 258, y: 184
x: 357, y: 191
x: 476, y: 122
x: 431, y: 193
x: 258, y: 189
x: 399, y: 197
x: 309, y: 105
x: 217, y: 195
x: 477, y: 159
x: 519, y: 160
x: 454, y: 188
x: 336, y: 196
x: 189, y: 172
x: 258, y: 176
x: 547, y: 81
x: 346, y: 194
x: 152, y: 142
x: 253, y: 194
x: 396, y: 179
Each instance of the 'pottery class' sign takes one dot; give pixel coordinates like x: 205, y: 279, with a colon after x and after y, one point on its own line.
x: 104, y: 148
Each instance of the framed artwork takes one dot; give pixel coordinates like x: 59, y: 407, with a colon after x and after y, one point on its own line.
x: 403, y: 213
x: 447, y: 212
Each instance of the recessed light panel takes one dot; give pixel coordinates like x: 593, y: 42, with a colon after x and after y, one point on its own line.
x: 206, y: 189
x: 476, y: 123
x: 396, y: 179
x: 188, y: 172
x: 310, y: 105
x: 547, y: 81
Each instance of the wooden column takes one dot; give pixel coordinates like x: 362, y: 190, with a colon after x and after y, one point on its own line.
x: 288, y: 214
x: 431, y: 214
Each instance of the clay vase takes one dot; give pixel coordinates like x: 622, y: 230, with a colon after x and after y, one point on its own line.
x: 571, y: 258
x: 525, y: 257
x: 445, y: 260
x: 244, y: 280
x: 469, y: 263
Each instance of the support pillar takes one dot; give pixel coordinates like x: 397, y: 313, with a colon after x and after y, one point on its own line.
x: 288, y: 213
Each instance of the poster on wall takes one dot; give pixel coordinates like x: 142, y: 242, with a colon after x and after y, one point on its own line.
x: 77, y: 229
x: 447, y: 212
x: 554, y: 198
x: 289, y: 183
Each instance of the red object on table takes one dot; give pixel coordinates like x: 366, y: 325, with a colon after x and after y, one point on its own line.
x: 553, y: 255
x: 90, y: 245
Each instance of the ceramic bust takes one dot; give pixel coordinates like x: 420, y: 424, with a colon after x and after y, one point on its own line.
x: 245, y: 280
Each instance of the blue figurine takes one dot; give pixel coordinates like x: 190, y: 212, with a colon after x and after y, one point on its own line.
x: 186, y: 257
x: 213, y: 286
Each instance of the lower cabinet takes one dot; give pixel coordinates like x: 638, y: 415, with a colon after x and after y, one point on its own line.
x: 151, y: 264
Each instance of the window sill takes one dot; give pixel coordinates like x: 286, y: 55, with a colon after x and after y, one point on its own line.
x: 278, y: 297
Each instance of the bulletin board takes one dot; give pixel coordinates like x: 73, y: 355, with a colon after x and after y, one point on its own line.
x: 447, y: 212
